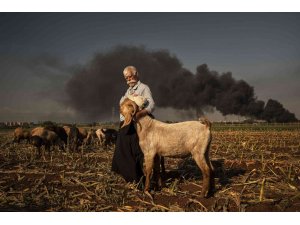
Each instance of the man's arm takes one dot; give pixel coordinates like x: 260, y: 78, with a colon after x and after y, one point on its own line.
x: 149, y: 107
x: 148, y: 95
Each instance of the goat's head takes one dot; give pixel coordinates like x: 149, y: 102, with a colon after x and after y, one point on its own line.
x: 128, y: 109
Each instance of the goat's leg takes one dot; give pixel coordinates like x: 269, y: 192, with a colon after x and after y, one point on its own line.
x: 206, y: 173
x: 212, y: 170
x: 38, y: 152
x: 68, y: 144
x: 47, y: 147
x: 148, y: 166
x: 163, y: 171
x: 43, y: 153
x: 162, y: 164
x: 156, y: 171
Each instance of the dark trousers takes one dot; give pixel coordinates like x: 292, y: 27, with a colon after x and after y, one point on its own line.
x: 128, y: 156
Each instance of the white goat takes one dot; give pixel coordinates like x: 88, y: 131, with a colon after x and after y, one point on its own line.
x: 100, y: 135
x: 172, y: 140
x: 106, y: 136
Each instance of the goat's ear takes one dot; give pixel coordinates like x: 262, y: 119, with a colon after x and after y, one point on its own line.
x: 134, y: 108
x: 130, y: 110
x: 128, y: 119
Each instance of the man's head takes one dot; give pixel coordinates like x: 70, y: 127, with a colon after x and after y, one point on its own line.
x: 131, y: 75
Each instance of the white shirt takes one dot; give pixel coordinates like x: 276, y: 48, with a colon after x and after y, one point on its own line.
x: 142, y: 90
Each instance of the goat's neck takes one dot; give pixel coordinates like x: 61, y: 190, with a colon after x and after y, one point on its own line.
x: 144, y: 123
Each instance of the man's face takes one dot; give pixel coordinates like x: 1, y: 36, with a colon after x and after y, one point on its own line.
x: 131, y: 79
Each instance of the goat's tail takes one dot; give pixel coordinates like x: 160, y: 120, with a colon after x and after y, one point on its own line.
x: 205, y: 121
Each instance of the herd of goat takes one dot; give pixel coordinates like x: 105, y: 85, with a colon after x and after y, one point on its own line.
x: 156, y: 139
x: 66, y: 137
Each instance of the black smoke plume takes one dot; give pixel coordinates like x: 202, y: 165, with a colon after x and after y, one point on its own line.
x: 275, y: 112
x: 95, y: 90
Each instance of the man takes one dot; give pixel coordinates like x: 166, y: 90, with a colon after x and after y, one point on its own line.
x: 128, y: 157
x: 137, y: 88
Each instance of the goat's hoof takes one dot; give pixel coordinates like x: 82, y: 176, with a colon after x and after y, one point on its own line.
x: 204, y: 194
x: 207, y: 194
x: 149, y: 195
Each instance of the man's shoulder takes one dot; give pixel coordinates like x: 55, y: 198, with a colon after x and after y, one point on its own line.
x: 143, y: 85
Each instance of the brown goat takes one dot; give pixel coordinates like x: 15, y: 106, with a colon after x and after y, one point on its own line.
x: 172, y: 140
x: 40, y: 136
x: 20, y: 134
x: 86, y: 136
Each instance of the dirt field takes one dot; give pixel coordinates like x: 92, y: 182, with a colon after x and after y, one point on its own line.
x: 255, y: 170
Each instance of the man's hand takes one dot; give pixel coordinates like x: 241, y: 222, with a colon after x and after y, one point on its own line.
x: 141, y: 114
